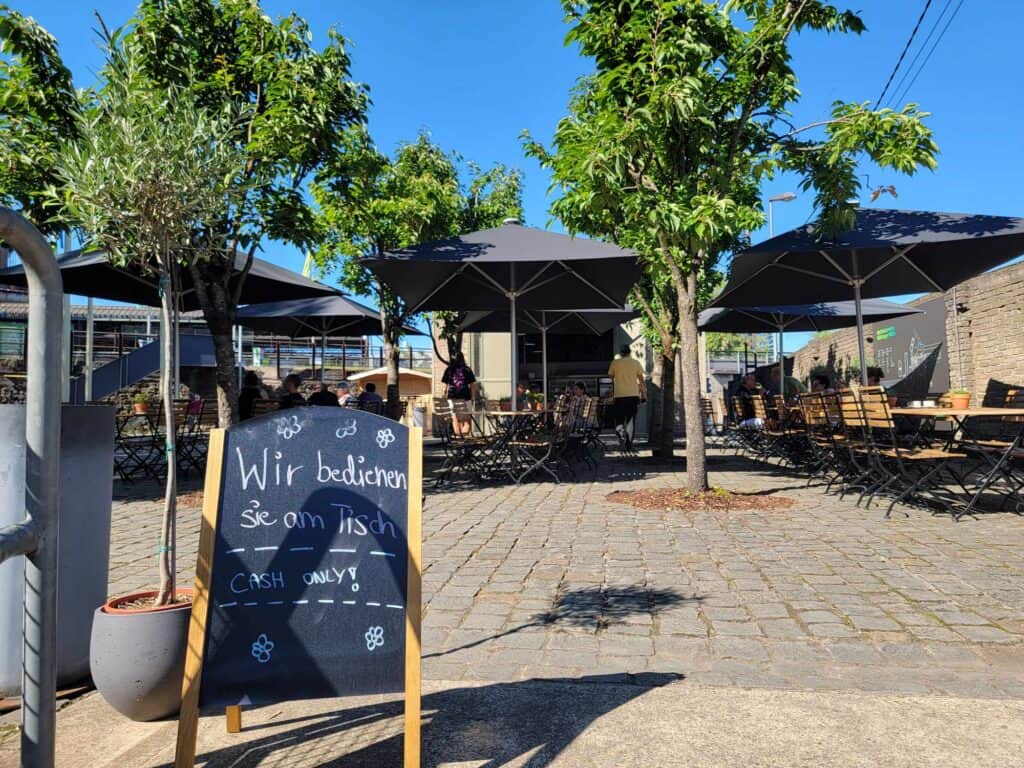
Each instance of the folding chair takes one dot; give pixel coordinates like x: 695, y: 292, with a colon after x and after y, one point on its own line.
x: 1005, y: 455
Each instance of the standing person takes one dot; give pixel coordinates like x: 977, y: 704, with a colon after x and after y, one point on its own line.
x: 629, y: 390
x: 462, y: 385
x: 460, y: 379
x: 292, y: 397
x: 252, y: 391
x: 323, y: 396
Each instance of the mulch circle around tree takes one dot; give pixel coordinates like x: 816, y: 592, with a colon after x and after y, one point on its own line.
x: 717, y: 499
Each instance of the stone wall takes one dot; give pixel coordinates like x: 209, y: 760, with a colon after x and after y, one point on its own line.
x: 990, y: 319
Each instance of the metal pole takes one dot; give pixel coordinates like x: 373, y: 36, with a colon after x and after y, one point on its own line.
x: 89, y: 349
x: 66, y: 343
x: 782, y: 364
x: 36, y: 537
x: 238, y: 355
x: 860, y: 319
x: 515, y: 340
x: 956, y: 330
x: 544, y: 352
x: 771, y: 220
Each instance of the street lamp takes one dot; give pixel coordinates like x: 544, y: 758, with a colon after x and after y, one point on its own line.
x: 784, y: 197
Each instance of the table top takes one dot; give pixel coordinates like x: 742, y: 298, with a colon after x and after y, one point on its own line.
x: 514, y: 413
x: 940, y: 412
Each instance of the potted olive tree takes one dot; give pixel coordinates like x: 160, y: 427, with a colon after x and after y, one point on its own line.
x: 148, y: 170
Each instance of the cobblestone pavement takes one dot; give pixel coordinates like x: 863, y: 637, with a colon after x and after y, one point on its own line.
x: 556, y: 581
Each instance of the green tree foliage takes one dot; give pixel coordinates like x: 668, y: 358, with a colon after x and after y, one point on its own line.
x: 147, y: 169
x: 727, y: 343
x: 687, y: 112
x: 39, y: 108
x: 371, y: 203
x: 293, y: 102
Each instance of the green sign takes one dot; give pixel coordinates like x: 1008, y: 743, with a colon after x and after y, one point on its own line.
x: 885, y: 333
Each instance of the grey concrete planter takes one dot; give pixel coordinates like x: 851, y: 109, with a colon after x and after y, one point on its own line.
x: 86, y: 481
x: 137, y: 658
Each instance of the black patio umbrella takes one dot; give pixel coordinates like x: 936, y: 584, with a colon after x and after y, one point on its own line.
x: 507, y: 268
x: 825, y: 316
x: 887, y: 253
x: 563, y: 322
x: 90, y: 273
x: 321, y: 316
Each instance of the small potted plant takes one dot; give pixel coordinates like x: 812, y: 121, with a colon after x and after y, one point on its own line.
x: 140, y: 403
x: 960, y: 398
x: 536, y: 400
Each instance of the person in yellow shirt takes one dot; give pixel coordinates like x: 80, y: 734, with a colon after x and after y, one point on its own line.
x: 629, y: 390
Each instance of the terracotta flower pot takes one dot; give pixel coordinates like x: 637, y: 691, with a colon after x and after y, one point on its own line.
x: 960, y: 401
x: 137, y: 656
x: 140, y: 408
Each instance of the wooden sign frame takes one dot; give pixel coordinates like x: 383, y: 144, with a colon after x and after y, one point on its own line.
x: 188, y: 719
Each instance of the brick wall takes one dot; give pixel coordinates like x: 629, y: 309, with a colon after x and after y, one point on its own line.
x: 990, y: 321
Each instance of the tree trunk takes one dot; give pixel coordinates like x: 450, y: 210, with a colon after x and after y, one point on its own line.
x: 218, y: 307
x: 227, y: 375
x: 696, y: 457
x: 390, y: 327
x: 667, y: 438
x: 167, y: 526
x: 655, y: 401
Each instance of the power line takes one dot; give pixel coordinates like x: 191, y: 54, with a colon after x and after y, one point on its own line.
x: 906, y: 48
x: 924, y: 46
x: 928, y: 57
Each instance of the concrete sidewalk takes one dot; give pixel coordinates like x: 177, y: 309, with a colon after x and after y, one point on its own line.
x: 581, y: 723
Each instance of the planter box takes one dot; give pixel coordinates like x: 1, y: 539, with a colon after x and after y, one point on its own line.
x: 86, y: 477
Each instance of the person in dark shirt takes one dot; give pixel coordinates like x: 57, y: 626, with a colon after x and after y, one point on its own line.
x: 369, y: 394
x: 747, y: 392
x: 251, y: 392
x: 323, y: 396
x: 292, y: 397
x: 460, y: 379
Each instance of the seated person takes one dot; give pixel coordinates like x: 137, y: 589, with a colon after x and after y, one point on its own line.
x: 369, y: 395
x: 746, y: 393
x: 292, y: 397
x: 875, y: 376
x: 345, y: 396
x: 821, y: 383
x: 252, y: 391
x: 793, y: 385
x: 323, y: 396
x: 579, y: 399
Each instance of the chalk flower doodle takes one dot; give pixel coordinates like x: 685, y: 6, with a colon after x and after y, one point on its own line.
x: 346, y: 430
x: 262, y: 649
x: 374, y: 638
x: 288, y: 427
x: 385, y: 437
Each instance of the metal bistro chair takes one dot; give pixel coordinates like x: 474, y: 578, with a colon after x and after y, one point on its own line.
x: 820, y: 458
x: 137, y: 449
x: 1004, y: 453
x: 543, y: 450
x: 902, y: 473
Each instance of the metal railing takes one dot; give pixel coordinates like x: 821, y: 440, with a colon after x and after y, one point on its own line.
x: 36, y: 536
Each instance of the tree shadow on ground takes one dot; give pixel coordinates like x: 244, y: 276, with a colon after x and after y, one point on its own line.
x: 594, y: 608
x: 530, y: 722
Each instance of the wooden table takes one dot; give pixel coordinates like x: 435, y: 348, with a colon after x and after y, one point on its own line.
x: 939, y: 412
x: 960, y: 416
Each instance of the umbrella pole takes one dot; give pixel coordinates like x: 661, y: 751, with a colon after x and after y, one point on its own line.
x: 512, y: 323
x: 323, y: 357
x: 782, y: 363
x: 860, y: 333
x: 956, y: 330
x: 544, y: 353
x: 89, y: 351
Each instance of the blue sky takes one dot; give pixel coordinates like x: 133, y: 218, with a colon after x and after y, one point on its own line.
x: 475, y: 74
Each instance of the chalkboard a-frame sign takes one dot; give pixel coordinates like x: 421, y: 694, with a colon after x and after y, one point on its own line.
x: 308, y: 576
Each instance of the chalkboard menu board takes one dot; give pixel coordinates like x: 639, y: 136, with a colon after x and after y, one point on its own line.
x: 308, y: 585
x: 307, y: 582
